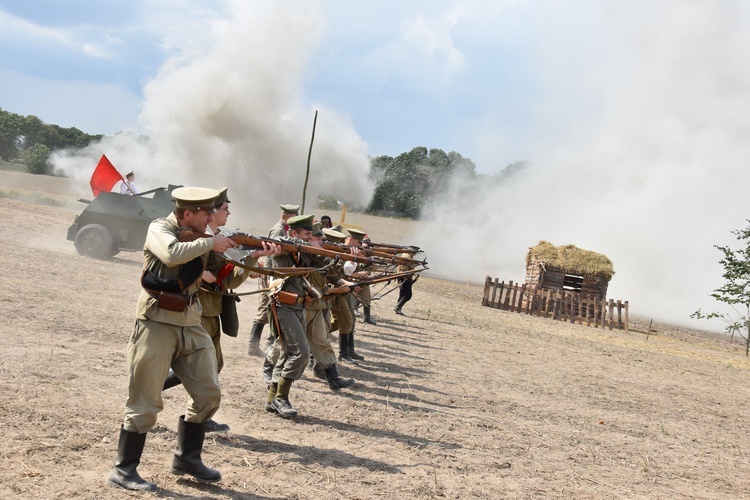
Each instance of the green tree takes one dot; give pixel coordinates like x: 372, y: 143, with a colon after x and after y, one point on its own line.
x: 35, y: 158
x: 736, y: 290
x: 406, y: 183
x: 10, y: 131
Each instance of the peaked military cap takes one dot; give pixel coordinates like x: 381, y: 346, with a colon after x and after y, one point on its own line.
x: 290, y: 209
x: 196, y: 198
x: 339, y: 228
x: 357, y: 234
x: 333, y: 235
x: 301, y: 222
x: 222, y: 197
x: 317, y: 229
x: 129, y: 174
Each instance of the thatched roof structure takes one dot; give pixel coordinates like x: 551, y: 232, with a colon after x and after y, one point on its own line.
x: 572, y: 259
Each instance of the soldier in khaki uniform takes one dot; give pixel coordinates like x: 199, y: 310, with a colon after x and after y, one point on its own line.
x: 357, y: 238
x: 254, y: 347
x: 219, y: 277
x: 318, y: 327
x: 168, y: 333
x: 341, y: 305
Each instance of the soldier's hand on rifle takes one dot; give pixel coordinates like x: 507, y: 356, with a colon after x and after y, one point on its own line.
x: 268, y: 249
x: 221, y: 243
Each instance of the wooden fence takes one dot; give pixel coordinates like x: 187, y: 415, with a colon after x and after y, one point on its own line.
x: 565, y: 306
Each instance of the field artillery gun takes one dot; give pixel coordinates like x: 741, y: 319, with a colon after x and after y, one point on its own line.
x: 113, y: 222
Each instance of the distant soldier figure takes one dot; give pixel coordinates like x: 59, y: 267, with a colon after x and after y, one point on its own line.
x: 128, y: 185
x: 405, y: 284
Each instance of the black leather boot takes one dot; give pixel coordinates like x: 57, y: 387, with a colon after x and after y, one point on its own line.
x: 187, y: 457
x: 398, y: 307
x: 344, y: 347
x: 368, y: 319
x: 319, y: 372
x: 352, y: 353
x: 124, y: 473
x: 335, y: 381
x: 214, y: 426
x: 172, y: 380
x: 253, y: 345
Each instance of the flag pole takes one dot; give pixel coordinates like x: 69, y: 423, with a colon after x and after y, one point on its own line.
x: 309, y: 154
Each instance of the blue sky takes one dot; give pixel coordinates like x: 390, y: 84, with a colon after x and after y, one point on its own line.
x: 405, y: 73
x: 632, y: 112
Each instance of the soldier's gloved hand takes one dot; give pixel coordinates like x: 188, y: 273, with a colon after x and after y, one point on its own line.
x: 221, y: 243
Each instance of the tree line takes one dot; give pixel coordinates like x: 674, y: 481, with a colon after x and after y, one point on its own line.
x: 31, y: 141
x: 405, y: 185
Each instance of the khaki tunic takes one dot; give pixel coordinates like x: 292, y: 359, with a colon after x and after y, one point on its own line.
x: 212, y: 302
x: 162, y: 339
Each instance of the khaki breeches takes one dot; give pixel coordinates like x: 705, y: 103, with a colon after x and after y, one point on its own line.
x: 155, y: 347
x: 294, y: 350
x: 343, y: 312
x: 317, y: 338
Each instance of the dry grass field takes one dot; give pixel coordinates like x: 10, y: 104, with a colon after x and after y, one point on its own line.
x: 454, y: 400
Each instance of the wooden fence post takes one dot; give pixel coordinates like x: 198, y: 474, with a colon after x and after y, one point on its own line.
x: 520, y: 298
x: 611, y: 312
x: 619, y: 315
x: 627, y: 322
x: 494, y: 293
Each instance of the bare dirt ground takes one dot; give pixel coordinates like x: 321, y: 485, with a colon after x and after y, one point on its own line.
x: 454, y: 400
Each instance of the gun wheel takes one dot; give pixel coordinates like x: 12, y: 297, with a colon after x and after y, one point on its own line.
x: 95, y: 241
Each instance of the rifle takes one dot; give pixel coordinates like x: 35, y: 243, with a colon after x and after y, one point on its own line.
x: 248, y: 240
x: 389, y: 257
x: 390, y: 248
x: 387, y: 277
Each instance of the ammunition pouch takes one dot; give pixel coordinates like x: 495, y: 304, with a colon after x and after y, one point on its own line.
x: 289, y: 299
x: 167, y: 293
x: 172, y: 301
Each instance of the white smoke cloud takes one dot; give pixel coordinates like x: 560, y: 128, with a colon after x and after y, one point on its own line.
x: 227, y: 109
x: 640, y: 151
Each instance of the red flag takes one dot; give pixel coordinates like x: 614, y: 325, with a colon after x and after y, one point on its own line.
x: 105, y: 176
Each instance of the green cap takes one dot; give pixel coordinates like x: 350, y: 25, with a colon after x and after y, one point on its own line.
x: 196, y: 198
x: 317, y: 229
x: 357, y: 234
x: 339, y: 228
x: 333, y: 235
x: 290, y: 209
x: 301, y: 222
x: 222, y: 197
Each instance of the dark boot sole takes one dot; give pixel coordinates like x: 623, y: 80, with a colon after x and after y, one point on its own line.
x: 178, y: 472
